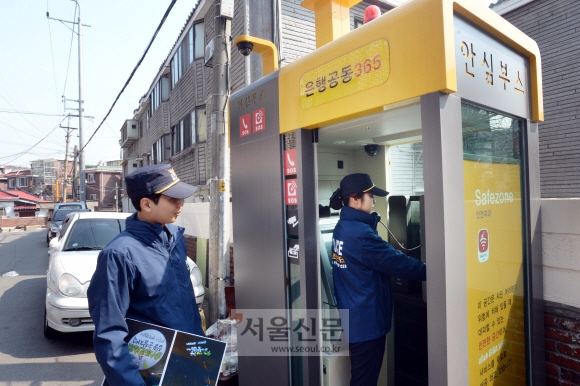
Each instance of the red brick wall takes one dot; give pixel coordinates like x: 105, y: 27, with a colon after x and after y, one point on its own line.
x: 562, y: 329
x: 22, y: 221
x: 231, y: 273
x: 191, y: 244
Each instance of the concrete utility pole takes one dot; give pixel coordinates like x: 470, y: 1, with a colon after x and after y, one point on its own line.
x: 64, y: 183
x: 218, y: 248
x: 74, y: 178
x: 81, y: 153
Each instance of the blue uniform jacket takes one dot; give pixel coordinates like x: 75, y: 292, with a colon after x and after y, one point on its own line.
x: 141, y: 274
x: 362, y: 263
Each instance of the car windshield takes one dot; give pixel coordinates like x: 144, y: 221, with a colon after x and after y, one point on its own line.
x: 59, y: 215
x: 71, y: 206
x: 93, y: 234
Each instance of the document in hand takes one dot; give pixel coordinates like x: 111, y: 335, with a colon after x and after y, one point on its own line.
x: 173, y: 358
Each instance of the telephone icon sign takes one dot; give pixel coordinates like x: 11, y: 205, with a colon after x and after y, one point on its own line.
x: 289, y: 162
x: 245, y: 125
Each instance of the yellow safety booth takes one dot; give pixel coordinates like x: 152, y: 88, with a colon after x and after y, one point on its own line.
x: 438, y: 100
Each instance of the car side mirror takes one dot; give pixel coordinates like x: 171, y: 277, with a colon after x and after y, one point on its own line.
x: 53, y: 243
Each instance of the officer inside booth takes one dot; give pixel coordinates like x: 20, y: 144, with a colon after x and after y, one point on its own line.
x: 387, y: 146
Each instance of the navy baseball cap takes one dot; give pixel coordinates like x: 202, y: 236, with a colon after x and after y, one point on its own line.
x: 158, y: 179
x: 360, y: 182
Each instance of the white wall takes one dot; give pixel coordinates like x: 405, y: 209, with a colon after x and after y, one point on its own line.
x: 561, y: 246
x: 9, y: 207
x: 195, y: 219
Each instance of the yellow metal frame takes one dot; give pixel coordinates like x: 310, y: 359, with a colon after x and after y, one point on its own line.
x: 420, y: 36
x: 265, y: 48
x: 332, y: 18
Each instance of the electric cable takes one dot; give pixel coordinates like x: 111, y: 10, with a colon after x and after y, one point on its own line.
x: 31, y: 113
x: 69, y: 54
x: 32, y: 147
x: 391, y: 233
x: 134, y: 70
x: 37, y: 129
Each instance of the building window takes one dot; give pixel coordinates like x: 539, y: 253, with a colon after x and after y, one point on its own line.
x: 90, y: 178
x: 358, y: 23
x: 2, y: 211
x: 22, y: 182
x: 11, y: 183
x: 93, y: 197
x: 147, y: 118
x: 176, y: 67
x: 161, y: 149
x: 200, y: 125
x: 191, y: 47
x: 199, y: 40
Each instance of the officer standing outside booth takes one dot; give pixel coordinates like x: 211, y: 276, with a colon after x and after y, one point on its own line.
x: 142, y: 274
x: 362, y: 265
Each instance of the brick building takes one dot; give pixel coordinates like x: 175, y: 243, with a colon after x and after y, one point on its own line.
x: 103, y: 186
x: 553, y: 24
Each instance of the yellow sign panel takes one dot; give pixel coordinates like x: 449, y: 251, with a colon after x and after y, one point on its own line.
x: 356, y: 71
x: 495, y: 291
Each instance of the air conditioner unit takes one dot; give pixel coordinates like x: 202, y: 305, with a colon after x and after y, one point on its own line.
x: 132, y: 165
x: 129, y: 132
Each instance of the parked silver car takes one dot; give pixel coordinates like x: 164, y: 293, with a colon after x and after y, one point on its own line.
x: 73, y: 259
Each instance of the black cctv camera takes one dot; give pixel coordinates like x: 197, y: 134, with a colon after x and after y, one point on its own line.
x: 372, y: 149
x: 245, y: 48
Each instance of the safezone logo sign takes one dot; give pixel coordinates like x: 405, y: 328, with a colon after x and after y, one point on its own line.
x: 259, y: 120
x: 291, y: 191
x: 483, y: 245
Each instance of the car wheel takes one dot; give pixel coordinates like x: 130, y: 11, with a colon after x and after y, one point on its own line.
x: 49, y: 332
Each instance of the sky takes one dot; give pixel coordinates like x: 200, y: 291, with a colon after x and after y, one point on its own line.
x: 39, y: 64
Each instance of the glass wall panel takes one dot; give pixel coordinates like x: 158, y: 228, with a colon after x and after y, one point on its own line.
x: 492, y: 162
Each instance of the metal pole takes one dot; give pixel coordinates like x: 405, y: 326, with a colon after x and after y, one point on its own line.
x: 218, y: 252
x: 64, y: 184
x: 74, y: 177
x: 116, y: 197
x: 81, y: 113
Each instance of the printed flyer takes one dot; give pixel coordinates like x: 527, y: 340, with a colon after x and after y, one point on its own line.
x: 173, y: 358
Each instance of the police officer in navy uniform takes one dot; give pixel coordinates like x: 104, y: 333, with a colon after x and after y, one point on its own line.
x: 142, y: 274
x: 362, y: 266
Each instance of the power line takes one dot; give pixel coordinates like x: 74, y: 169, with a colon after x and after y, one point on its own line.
x: 52, y: 55
x: 32, y: 147
x: 134, y: 70
x: 7, y: 101
x: 70, y: 52
x: 31, y: 113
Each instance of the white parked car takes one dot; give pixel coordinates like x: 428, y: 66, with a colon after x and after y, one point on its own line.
x: 73, y: 259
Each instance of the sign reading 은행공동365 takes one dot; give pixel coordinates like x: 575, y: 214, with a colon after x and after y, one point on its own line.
x: 495, y: 301
x: 489, y: 72
x: 361, y: 69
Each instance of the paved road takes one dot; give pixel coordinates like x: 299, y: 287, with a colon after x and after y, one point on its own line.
x: 26, y: 356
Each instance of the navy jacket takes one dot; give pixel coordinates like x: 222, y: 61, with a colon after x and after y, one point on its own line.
x: 362, y: 263
x: 141, y: 274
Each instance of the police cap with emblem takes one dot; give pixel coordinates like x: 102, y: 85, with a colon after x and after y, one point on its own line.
x: 158, y: 179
